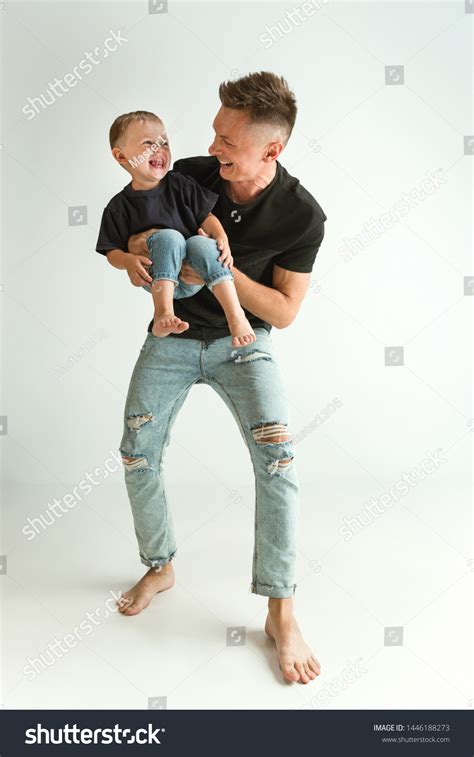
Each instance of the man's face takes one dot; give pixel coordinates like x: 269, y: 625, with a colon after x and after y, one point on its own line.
x: 147, y: 138
x: 240, y: 148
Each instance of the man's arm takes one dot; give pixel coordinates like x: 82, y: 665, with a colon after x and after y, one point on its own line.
x: 133, y: 264
x: 278, y: 304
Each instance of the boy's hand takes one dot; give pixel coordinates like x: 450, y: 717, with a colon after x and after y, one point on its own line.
x: 136, y: 270
x: 226, y: 256
x: 222, y: 245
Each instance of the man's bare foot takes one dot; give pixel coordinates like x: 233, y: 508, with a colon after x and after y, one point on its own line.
x: 168, y: 323
x: 297, y: 662
x: 241, y: 331
x: 139, y: 596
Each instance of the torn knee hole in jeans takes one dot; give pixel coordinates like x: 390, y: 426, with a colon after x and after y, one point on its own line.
x: 250, y: 356
x: 279, y: 465
x: 271, y: 433
x: 135, y: 422
x: 134, y: 462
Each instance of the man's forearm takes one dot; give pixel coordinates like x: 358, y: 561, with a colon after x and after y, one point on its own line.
x: 117, y: 258
x: 265, y: 302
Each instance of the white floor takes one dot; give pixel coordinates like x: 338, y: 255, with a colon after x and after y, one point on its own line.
x: 411, y: 568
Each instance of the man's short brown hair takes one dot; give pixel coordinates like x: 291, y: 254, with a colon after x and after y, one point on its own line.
x: 121, y: 123
x: 266, y: 97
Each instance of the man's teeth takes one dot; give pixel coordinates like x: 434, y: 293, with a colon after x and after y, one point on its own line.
x: 224, y: 164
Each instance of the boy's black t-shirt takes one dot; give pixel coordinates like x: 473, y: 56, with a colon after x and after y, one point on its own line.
x: 178, y: 202
x: 283, y: 225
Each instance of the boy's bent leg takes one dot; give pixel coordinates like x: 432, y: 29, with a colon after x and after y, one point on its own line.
x: 203, y: 254
x: 164, y: 373
x: 167, y: 249
x: 249, y: 381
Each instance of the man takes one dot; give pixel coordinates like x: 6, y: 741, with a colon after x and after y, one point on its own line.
x: 275, y: 228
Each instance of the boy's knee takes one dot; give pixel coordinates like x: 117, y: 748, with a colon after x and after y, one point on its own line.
x: 200, y: 246
x: 170, y: 236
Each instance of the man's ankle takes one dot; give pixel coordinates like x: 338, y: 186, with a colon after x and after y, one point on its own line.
x: 164, y: 568
x: 280, y: 607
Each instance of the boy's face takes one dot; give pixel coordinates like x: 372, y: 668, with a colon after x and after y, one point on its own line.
x: 146, y: 145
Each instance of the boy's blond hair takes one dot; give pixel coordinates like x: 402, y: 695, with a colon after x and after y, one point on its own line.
x: 121, y: 124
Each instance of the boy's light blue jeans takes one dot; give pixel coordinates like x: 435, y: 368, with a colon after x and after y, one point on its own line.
x: 248, y: 380
x: 168, y: 248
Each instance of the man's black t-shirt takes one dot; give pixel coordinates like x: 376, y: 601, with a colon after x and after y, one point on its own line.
x: 178, y: 202
x: 283, y: 225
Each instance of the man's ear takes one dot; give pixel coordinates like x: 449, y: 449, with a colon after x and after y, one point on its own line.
x: 272, y: 151
x: 118, y: 155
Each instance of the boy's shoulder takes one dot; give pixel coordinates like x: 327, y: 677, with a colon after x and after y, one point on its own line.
x: 118, y: 202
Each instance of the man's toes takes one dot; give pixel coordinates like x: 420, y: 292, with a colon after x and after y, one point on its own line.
x: 310, y: 673
x: 314, y: 665
x: 132, y: 610
x: 302, y: 675
x: 289, y: 672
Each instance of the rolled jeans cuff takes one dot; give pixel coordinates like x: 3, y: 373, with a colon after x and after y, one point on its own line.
x: 158, y: 562
x: 217, y: 278
x: 277, y: 592
x: 163, y: 275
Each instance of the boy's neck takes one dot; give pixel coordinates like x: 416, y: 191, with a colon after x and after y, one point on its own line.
x: 140, y: 184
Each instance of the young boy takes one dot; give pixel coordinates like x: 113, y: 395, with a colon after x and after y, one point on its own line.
x: 157, y: 198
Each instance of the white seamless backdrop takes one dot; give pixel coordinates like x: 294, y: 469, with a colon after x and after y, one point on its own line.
x: 385, y: 103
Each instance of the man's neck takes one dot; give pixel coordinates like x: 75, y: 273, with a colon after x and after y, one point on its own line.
x: 244, y: 191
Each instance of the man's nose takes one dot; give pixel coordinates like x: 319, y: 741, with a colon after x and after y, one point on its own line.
x: 212, y: 149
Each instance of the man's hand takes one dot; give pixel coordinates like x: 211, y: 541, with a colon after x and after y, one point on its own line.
x: 188, y: 275
x: 137, y: 244
x: 136, y: 270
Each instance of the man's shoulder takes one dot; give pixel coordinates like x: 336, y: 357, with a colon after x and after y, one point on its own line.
x: 300, y: 199
x: 202, y: 168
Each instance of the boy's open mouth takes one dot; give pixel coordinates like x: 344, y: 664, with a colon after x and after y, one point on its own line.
x: 157, y: 162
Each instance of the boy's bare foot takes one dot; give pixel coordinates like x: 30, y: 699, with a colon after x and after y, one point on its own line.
x: 241, y: 331
x: 168, y: 323
x: 139, y: 596
x: 296, y: 660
